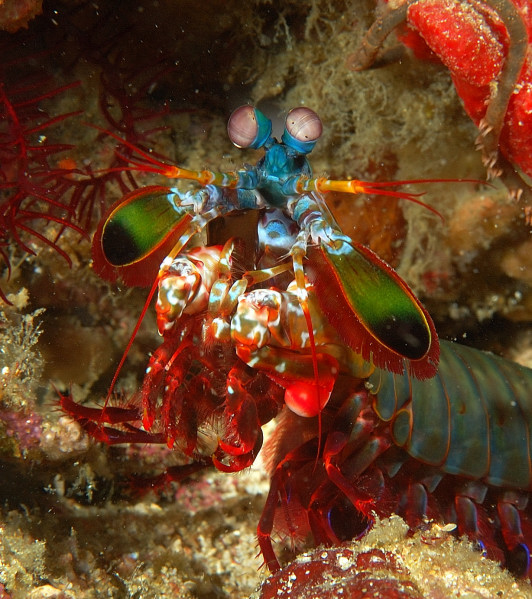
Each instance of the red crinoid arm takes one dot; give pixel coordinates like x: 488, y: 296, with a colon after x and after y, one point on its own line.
x: 26, y: 174
x: 5, y: 258
x: 41, y: 237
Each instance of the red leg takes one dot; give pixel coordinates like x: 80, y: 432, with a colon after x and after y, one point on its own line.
x: 289, y: 492
x: 157, y: 370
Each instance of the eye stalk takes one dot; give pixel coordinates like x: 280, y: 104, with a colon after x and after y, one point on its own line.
x: 248, y: 127
x: 303, y: 128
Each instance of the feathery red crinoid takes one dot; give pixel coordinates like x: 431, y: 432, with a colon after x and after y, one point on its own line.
x: 28, y: 173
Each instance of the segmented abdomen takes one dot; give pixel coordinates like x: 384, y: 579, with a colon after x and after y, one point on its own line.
x: 474, y: 418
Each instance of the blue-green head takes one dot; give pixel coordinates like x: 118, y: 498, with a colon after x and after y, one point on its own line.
x: 248, y: 127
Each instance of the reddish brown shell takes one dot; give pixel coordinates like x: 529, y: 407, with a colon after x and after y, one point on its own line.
x: 338, y: 572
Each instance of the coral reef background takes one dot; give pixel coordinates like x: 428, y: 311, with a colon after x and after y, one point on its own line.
x: 165, y: 75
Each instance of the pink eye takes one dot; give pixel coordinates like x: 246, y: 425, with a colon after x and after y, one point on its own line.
x: 248, y: 127
x: 303, y: 128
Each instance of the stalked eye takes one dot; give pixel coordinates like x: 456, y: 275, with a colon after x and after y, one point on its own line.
x: 302, y: 129
x: 248, y: 127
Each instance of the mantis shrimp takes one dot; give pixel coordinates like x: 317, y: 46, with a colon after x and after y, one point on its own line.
x: 372, y: 420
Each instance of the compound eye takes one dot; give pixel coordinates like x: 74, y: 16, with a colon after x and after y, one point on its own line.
x: 248, y: 127
x: 303, y: 128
